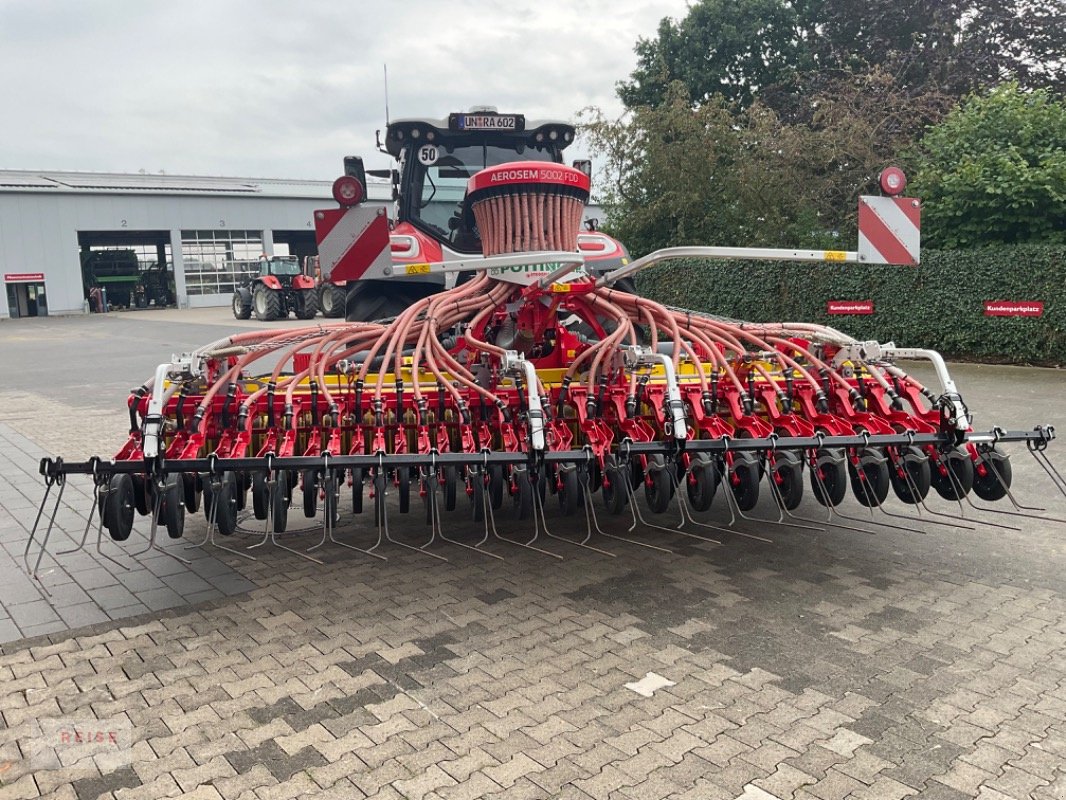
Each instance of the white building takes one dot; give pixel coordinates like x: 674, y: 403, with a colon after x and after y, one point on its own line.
x: 199, y: 228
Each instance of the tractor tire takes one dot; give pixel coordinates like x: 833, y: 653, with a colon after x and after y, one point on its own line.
x: 306, y: 304
x: 266, y: 303
x: 331, y: 300
x: 371, y: 300
x: 242, y: 305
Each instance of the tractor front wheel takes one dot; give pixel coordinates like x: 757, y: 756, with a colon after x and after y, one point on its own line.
x: 242, y: 305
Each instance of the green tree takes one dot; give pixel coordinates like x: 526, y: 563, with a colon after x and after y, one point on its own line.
x: 784, y: 51
x: 995, y: 171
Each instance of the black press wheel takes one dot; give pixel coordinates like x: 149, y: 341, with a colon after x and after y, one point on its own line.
x: 993, y: 475
x: 357, y: 490
x: 142, y: 494
x: 701, y: 482
x: 497, y: 486
x: 224, y: 506
x: 870, y: 478
x: 522, y: 493
x: 171, y: 506
x: 613, y: 491
x: 119, y: 507
x: 331, y: 487
x: 476, y: 493
x: 403, y: 487
x: 953, y: 476
x: 910, y: 475
x: 310, y: 493
x: 451, y: 487
x: 569, y: 489
x: 788, y: 478
x: 829, y: 477
x: 658, y: 485
x: 279, y: 502
x: 192, y: 491
x: 260, y: 495
x: 744, y: 480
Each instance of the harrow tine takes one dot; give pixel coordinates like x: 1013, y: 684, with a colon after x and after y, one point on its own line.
x: 538, y: 508
x: 49, y: 483
x: 964, y: 495
x: 1045, y: 463
x: 328, y: 527
x: 734, y: 512
x: 782, y: 511
x: 831, y: 510
x: 536, y: 530
x: 381, y: 513
x: 593, y: 521
x: 157, y: 506
x: 431, y: 488
x: 210, y: 537
x: 637, y: 515
x: 61, y: 480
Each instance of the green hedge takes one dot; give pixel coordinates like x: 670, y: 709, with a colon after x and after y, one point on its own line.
x: 939, y: 304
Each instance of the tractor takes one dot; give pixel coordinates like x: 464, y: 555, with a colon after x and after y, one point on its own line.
x: 432, y: 222
x: 280, y: 287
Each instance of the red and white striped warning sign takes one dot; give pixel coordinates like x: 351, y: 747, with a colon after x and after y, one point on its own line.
x: 889, y: 230
x: 352, y: 242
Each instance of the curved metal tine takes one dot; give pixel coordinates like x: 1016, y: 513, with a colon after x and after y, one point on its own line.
x: 88, y: 524
x: 1017, y: 506
x: 637, y: 515
x: 594, y: 523
x: 1048, y: 467
x: 831, y: 510
x: 381, y: 512
x: 210, y: 539
x: 872, y: 499
x: 779, y: 499
x: 431, y: 484
x: 536, y: 529
x: 33, y: 531
x: 539, y: 506
x: 328, y: 529
x: 152, y: 544
x: 734, y: 512
x: 780, y: 511
x: 47, y: 533
x: 963, y: 495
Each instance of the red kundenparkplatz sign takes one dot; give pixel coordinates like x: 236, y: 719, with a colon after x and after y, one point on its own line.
x: 1014, y: 308
x: 850, y: 307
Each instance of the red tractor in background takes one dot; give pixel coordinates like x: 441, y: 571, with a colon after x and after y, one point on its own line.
x: 432, y: 223
x: 280, y: 287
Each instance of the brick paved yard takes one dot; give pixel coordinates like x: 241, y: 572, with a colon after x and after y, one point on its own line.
x: 827, y: 664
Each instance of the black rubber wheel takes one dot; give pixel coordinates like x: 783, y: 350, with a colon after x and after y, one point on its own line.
x: 658, y: 485
x: 371, y: 300
x: 172, y: 508
x: 788, y: 478
x: 226, y: 502
x: 279, y: 503
x: 403, y: 485
x: 331, y: 486
x: 119, y: 507
x: 701, y: 482
x: 142, y: 494
x: 913, y: 487
x: 959, y: 483
x: 569, y: 489
x: 522, y: 493
x: 306, y: 304
x: 242, y: 483
x: 378, y: 480
x: 310, y: 493
x: 997, y: 475
x: 870, y: 479
x: 260, y: 495
x: 357, y: 490
x: 451, y: 487
x: 497, y: 486
x: 477, y: 493
x: 744, y: 480
x: 331, y: 300
x: 829, y: 477
x: 430, y: 491
x: 192, y: 491
x: 266, y: 303
x: 242, y: 309
x: 613, y: 490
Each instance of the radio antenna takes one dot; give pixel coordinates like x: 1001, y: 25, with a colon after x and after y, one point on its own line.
x: 386, y: 69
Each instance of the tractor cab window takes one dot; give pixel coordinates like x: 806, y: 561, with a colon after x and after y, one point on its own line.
x: 440, y: 174
x: 279, y: 266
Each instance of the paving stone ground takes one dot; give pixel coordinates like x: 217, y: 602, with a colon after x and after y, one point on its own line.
x: 926, y: 661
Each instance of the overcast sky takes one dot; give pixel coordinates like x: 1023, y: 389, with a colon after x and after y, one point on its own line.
x: 275, y: 88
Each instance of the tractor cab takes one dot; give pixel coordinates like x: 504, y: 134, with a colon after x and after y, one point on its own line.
x: 285, y: 268
x: 439, y: 156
